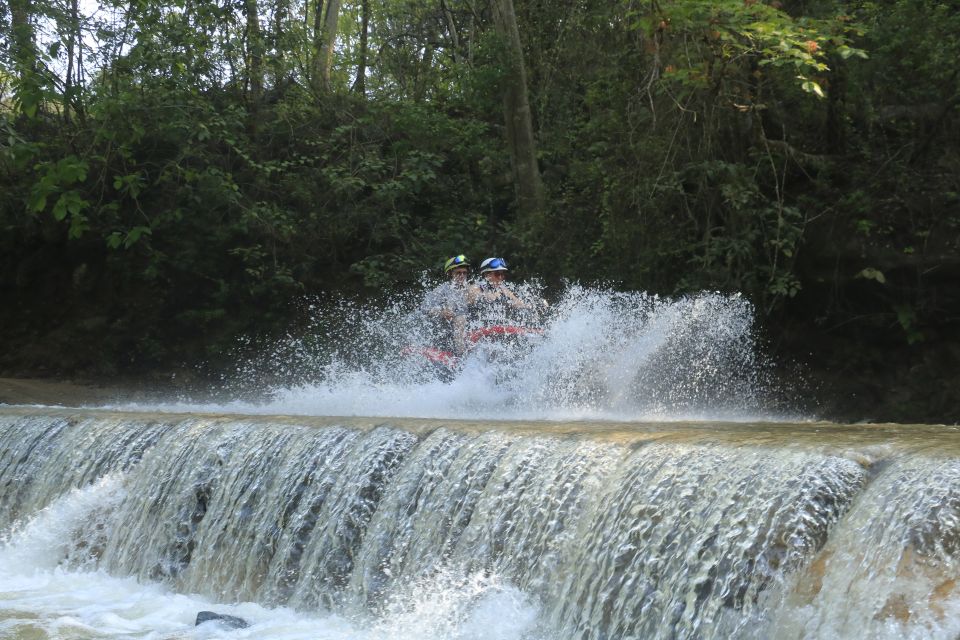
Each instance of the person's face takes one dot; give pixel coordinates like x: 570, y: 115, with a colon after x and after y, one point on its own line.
x: 459, y: 274
x: 495, y: 277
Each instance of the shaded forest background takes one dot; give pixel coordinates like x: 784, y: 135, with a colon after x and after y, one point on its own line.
x: 177, y: 175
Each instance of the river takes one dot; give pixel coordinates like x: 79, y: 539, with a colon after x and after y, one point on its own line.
x: 628, y: 470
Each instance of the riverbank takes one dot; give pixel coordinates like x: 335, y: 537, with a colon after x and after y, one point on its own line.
x: 65, y: 392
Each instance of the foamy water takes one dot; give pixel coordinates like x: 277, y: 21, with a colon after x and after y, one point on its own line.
x: 41, y: 597
x: 602, y: 355
x: 69, y: 604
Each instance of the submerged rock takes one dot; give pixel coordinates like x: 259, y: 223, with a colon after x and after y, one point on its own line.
x: 231, y: 622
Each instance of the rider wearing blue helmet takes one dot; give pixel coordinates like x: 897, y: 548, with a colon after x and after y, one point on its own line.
x: 498, y: 313
x: 493, y: 289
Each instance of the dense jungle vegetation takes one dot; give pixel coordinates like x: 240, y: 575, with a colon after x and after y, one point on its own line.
x: 175, y: 175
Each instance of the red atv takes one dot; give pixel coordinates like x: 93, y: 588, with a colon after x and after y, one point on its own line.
x: 447, y: 363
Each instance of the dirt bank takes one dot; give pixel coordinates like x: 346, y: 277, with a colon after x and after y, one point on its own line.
x: 60, y: 392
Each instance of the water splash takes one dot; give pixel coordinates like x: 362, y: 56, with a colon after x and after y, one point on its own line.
x: 602, y: 354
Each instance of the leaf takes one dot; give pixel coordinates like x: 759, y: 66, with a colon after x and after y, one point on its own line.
x: 38, y: 203
x: 907, y: 317
x: 78, y: 225
x: 60, y: 208
x: 847, y: 52
x: 133, y: 236
x: 812, y: 87
x: 872, y: 274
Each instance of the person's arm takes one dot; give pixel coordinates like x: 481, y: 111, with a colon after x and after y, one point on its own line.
x: 437, y: 304
x: 439, y: 311
x: 459, y: 335
x: 513, y: 299
x: 473, y: 294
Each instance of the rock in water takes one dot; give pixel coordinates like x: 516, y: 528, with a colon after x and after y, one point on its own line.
x: 231, y: 622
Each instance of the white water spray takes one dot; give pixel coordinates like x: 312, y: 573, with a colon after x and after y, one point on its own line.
x: 601, y: 355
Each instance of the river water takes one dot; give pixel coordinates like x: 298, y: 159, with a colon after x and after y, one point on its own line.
x: 631, y: 474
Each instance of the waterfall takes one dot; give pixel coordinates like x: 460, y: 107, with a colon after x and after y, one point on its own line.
x: 527, y: 530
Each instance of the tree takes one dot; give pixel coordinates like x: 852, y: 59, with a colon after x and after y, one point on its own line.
x: 280, y: 43
x: 24, y: 57
x: 254, y: 51
x: 360, y: 84
x: 24, y: 52
x: 517, y: 116
x: 325, y: 38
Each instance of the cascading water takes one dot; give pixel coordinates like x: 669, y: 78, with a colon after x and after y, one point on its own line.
x: 430, y: 529
x: 486, y: 521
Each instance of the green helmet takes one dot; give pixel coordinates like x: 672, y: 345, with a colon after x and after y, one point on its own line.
x: 455, y: 263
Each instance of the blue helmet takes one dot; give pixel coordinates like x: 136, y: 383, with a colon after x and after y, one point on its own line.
x: 493, y: 264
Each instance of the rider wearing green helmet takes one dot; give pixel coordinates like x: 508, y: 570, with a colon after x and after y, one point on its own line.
x: 448, y: 301
x: 455, y: 263
x: 457, y: 267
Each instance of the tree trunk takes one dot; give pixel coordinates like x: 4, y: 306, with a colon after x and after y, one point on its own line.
x: 360, y: 85
x: 422, y: 77
x: 24, y: 51
x: 326, y: 39
x: 519, y: 123
x: 314, y: 75
x: 278, y: 61
x: 836, y: 107
x: 254, y: 51
x: 452, y: 28
x: 68, y: 83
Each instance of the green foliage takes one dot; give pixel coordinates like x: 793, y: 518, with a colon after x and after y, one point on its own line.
x: 737, y: 33
x: 56, y: 179
x: 907, y: 318
x: 800, y: 153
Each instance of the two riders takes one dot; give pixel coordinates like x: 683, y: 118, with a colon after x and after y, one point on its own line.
x: 489, y: 303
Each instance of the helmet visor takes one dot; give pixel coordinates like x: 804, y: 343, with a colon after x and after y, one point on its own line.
x: 493, y: 264
x: 455, y: 263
